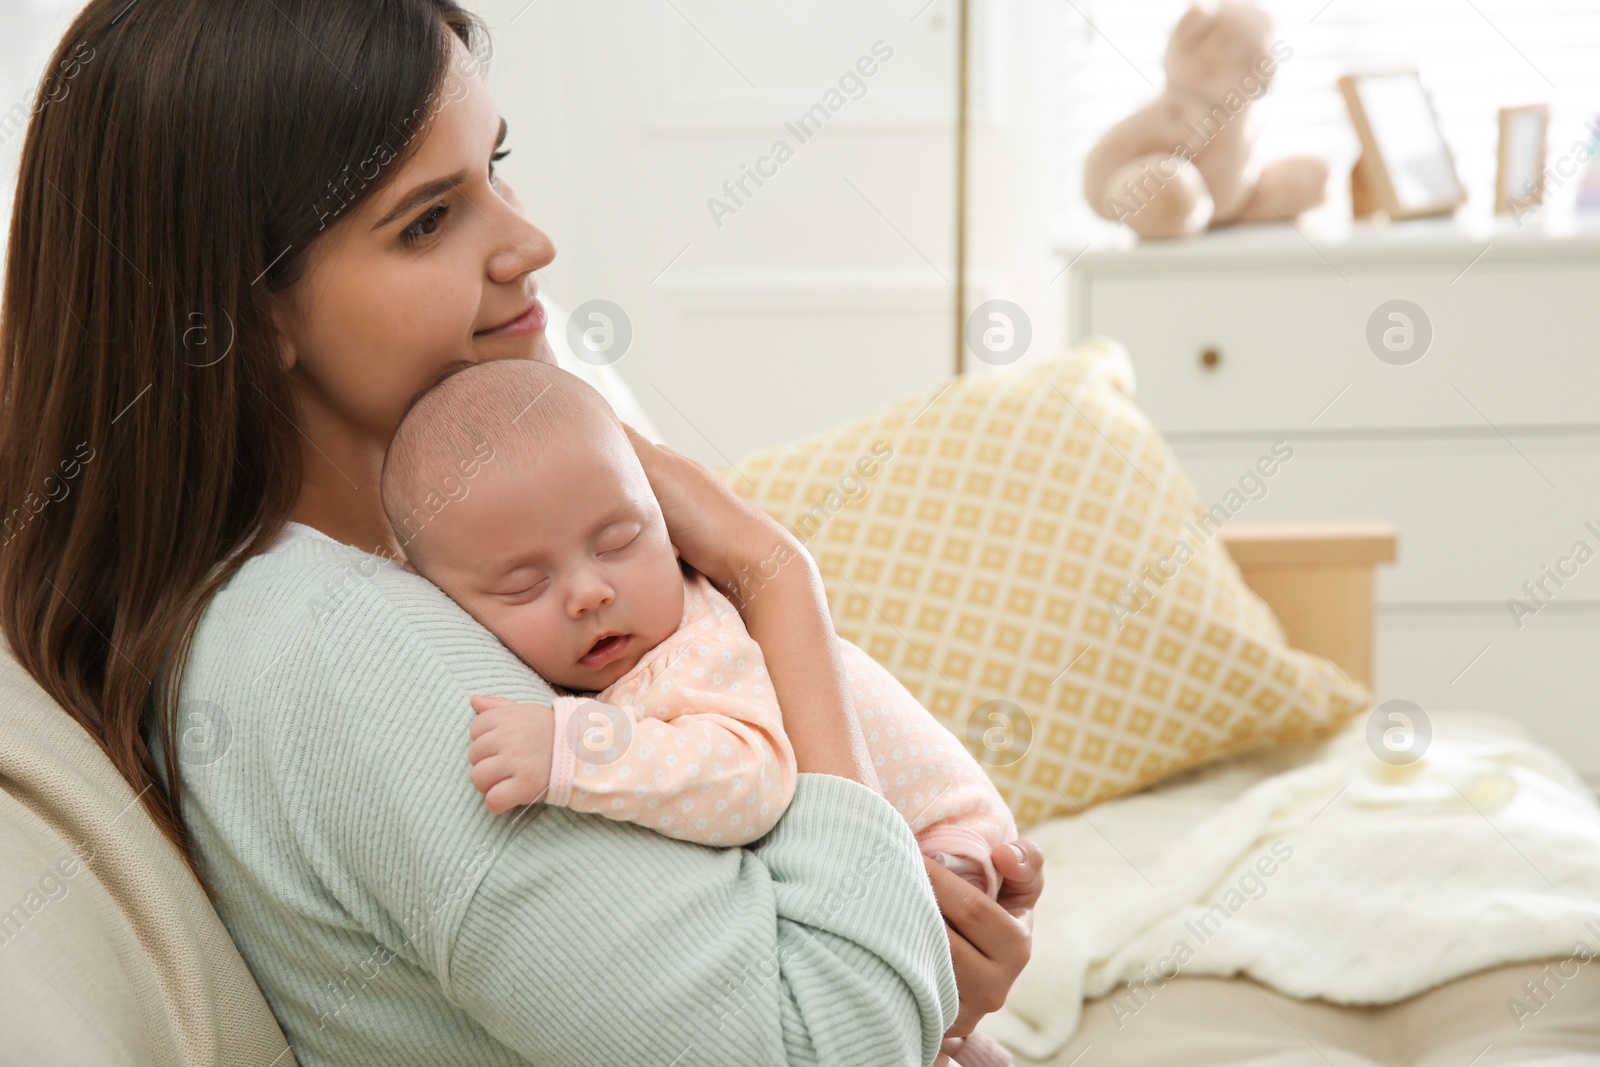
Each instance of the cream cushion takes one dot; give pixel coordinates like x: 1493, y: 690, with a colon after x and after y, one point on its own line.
x: 976, y: 538
x: 110, y: 953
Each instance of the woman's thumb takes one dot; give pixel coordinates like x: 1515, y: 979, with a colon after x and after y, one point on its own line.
x: 1017, y: 859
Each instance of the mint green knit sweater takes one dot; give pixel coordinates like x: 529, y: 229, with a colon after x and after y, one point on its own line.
x: 390, y: 919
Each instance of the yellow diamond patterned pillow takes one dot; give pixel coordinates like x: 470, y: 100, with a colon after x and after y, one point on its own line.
x: 978, y: 539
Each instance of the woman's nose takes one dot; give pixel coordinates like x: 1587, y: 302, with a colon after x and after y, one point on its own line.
x: 520, y: 245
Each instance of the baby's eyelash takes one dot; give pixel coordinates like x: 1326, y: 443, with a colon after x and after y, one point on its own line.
x: 633, y: 537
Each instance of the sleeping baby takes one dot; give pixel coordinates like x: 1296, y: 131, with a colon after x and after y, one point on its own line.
x: 665, y: 715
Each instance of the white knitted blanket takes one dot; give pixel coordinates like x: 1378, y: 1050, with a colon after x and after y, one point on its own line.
x: 1342, y: 878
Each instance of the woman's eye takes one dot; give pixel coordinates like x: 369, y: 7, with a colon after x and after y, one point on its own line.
x: 496, y: 158
x: 426, y: 226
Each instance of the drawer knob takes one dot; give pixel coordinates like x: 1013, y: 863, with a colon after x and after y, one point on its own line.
x: 1210, y: 358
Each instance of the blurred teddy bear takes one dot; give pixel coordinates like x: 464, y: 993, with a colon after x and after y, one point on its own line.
x: 1182, y: 164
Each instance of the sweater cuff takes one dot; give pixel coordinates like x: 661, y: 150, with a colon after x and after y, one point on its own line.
x: 563, y: 760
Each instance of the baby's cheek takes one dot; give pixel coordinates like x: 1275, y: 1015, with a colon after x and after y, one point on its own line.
x: 667, y: 605
x: 520, y: 629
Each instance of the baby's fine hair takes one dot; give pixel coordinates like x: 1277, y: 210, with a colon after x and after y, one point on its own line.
x: 471, y: 414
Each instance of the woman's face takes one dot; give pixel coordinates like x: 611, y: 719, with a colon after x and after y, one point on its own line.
x: 438, y: 266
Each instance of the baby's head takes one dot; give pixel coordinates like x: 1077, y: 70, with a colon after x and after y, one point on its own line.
x: 512, y: 486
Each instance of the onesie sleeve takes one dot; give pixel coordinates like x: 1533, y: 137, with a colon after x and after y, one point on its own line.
x: 693, y: 748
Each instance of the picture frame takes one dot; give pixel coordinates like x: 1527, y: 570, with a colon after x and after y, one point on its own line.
x: 1524, y: 140
x: 1406, y: 169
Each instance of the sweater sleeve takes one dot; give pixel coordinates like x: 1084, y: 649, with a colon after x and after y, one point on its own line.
x: 567, y: 938
x: 815, y: 947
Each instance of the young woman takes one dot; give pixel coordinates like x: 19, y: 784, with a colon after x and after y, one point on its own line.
x: 245, y: 233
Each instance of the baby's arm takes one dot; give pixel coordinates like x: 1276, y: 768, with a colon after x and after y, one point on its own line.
x: 697, y: 752
x: 708, y: 767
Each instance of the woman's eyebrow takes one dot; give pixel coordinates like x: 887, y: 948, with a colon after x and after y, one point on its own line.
x: 436, y: 188
x: 421, y: 195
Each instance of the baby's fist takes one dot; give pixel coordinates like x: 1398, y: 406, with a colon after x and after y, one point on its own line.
x: 510, y: 752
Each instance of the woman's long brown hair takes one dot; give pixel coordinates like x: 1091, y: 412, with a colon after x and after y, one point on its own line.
x: 182, y: 157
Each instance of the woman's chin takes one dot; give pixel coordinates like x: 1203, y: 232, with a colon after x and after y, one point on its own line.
x: 541, y: 350
x: 534, y: 346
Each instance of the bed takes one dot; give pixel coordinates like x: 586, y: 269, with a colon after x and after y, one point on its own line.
x: 1319, y: 581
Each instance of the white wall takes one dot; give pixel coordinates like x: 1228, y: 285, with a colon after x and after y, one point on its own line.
x: 29, y: 30
x: 827, y: 291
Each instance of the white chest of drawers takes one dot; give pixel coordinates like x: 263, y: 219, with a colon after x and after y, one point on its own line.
x: 1484, y: 452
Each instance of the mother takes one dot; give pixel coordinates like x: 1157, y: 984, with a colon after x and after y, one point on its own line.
x: 245, y: 233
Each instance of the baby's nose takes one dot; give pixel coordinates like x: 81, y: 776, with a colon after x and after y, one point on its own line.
x: 589, y: 594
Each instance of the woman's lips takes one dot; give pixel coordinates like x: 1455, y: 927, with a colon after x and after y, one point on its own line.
x: 530, y: 321
x: 605, y: 650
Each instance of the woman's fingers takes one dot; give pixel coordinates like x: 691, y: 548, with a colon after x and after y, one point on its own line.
x: 975, y: 981
x: 640, y: 439
x: 671, y: 480
x: 983, y: 922
x: 660, y: 446
x: 987, y: 982
x: 988, y: 946
x: 1021, y: 865
x: 714, y: 530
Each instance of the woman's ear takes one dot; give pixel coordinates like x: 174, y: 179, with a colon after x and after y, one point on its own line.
x: 288, y: 356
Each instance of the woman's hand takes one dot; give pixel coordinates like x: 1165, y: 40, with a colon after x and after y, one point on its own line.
x: 715, y: 531
x: 765, y: 571
x: 1023, y: 874
x: 990, y: 941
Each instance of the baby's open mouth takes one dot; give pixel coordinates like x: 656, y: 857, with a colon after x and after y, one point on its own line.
x: 605, y: 650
